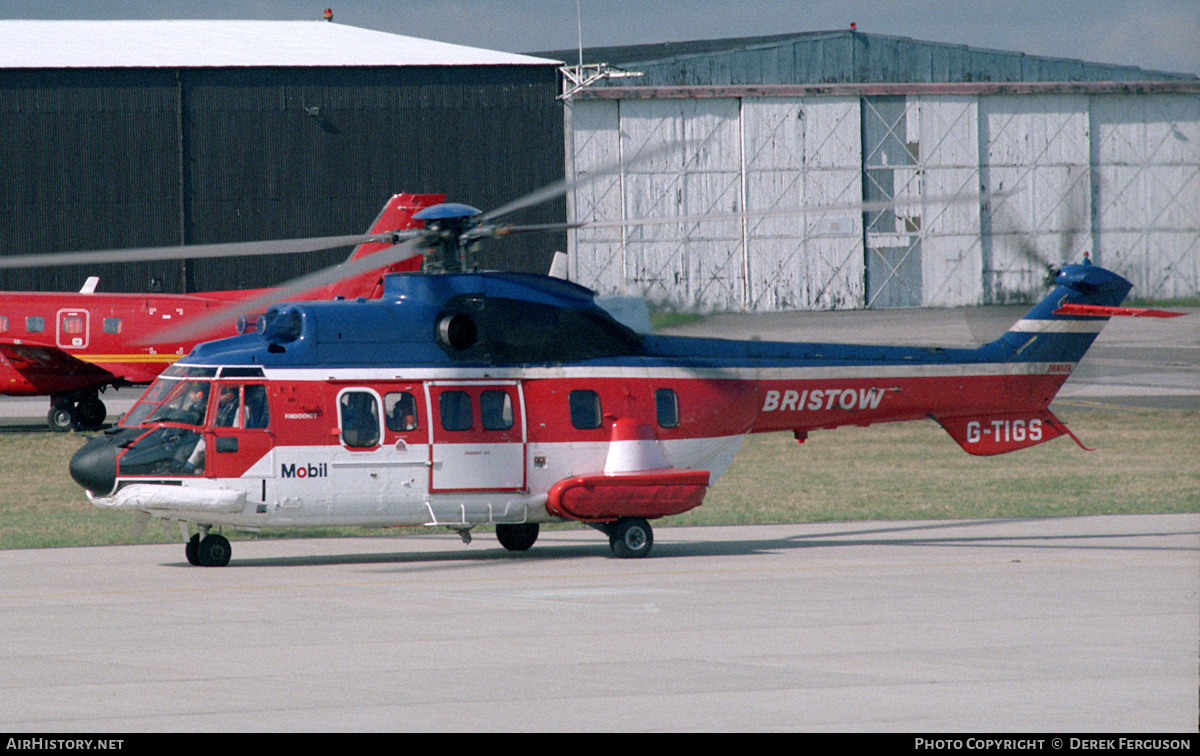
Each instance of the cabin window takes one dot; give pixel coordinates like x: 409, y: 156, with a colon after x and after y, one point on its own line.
x: 35, y: 324
x: 112, y: 325
x: 3, y: 324
x: 400, y: 411
x: 72, y: 324
x: 667, y: 404
x: 496, y: 409
x: 454, y: 407
x: 359, y: 411
x: 585, y: 409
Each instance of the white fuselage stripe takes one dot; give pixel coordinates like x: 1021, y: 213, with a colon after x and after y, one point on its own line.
x: 1058, y: 326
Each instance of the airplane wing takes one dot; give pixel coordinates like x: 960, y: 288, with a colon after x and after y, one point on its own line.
x: 42, y: 369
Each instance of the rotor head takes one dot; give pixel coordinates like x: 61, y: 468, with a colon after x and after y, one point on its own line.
x: 452, y: 231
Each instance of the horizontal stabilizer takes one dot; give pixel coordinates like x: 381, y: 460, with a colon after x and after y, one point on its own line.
x: 985, y: 435
x: 1109, y: 312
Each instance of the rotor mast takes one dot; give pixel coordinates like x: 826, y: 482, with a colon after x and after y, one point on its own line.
x: 451, y: 234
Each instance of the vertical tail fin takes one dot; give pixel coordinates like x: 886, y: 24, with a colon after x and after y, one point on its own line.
x: 397, y: 215
x: 1049, y: 333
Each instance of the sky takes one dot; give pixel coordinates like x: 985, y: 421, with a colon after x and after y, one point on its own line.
x: 1162, y: 35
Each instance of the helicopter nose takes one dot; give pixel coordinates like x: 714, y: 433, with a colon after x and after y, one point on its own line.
x: 95, y: 466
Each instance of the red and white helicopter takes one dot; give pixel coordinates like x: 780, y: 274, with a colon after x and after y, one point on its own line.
x: 74, y: 345
x: 462, y: 398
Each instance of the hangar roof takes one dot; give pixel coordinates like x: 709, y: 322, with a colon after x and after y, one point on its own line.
x: 841, y: 56
x: 187, y: 44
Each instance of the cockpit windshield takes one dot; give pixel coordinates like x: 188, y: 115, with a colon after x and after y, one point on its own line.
x: 187, y: 404
x: 148, y: 402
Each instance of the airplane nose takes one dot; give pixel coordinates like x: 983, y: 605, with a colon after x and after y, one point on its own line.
x: 95, y: 466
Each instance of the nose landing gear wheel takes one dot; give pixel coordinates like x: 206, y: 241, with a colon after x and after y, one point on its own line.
x: 631, y: 538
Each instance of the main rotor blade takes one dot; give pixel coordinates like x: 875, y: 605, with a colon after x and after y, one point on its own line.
x: 196, y: 327
x: 562, y: 186
x: 533, y: 227
x: 846, y: 207
x: 197, y: 251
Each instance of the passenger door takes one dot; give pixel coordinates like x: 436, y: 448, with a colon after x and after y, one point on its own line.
x: 477, y: 436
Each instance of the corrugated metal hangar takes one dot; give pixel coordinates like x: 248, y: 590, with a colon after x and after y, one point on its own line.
x: 1074, y: 157
x: 117, y: 134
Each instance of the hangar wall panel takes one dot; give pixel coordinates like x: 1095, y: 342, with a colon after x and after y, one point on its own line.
x: 88, y: 163
x: 796, y: 153
x: 1147, y: 189
x: 945, y: 135
x: 682, y: 161
x: 766, y: 156
x: 1037, y: 148
x: 836, y: 57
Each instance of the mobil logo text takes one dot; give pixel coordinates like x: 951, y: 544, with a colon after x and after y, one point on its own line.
x: 304, y: 471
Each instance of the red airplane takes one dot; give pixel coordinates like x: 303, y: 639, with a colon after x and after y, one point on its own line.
x: 74, y: 345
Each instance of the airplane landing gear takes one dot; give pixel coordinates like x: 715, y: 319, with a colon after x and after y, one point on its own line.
x: 630, y: 538
x: 61, y: 419
x: 211, y: 550
x: 82, y: 410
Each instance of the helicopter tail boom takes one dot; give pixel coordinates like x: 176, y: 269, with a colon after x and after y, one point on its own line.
x: 991, y: 400
x: 1051, y: 339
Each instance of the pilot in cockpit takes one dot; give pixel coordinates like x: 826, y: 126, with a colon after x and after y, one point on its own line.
x: 195, y: 405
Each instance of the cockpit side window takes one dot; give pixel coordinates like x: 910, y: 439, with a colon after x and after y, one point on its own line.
x: 229, y: 404
x: 242, y: 406
x: 255, y: 409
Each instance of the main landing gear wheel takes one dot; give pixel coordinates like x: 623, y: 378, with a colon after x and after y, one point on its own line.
x: 192, y: 550
x: 631, y: 538
x: 211, y: 551
x: 90, y: 413
x: 517, y: 537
